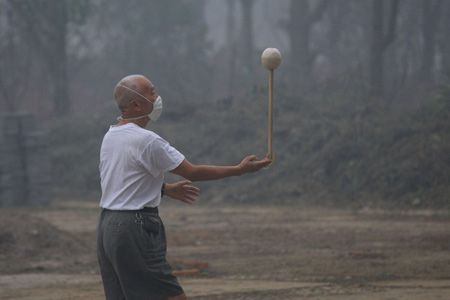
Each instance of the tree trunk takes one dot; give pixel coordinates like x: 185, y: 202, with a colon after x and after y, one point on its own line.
x: 231, y: 42
x: 15, y: 62
x: 299, y: 36
x: 44, y: 23
x: 430, y: 18
x: 58, y: 63
x: 380, y: 40
x: 376, y: 50
x: 301, y: 19
x: 58, y: 74
x: 445, y: 41
x: 247, y: 36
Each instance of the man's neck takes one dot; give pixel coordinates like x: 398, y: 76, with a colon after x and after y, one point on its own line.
x: 141, y: 122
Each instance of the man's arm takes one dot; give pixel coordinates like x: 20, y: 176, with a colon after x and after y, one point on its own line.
x: 208, y: 172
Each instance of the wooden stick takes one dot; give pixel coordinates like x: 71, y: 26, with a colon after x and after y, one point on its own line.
x: 270, y: 123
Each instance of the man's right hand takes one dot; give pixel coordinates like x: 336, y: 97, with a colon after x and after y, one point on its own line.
x: 209, y: 172
x: 252, y: 164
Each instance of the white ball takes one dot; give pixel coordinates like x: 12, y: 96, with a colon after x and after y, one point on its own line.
x: 271, y: 58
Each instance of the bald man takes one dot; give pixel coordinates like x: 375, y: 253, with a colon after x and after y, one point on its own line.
x: 131, y: 241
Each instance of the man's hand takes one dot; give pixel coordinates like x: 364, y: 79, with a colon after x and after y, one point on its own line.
x: 183, y: 191
x: 251, y: 164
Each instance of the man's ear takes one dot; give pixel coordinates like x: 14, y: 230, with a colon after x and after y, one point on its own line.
x: 136, y: 105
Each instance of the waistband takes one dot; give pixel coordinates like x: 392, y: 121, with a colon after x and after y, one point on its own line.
x: 153, y: 210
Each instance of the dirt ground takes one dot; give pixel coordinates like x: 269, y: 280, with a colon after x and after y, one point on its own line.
x: 252, y: 252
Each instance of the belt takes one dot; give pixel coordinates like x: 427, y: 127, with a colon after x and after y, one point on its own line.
x: 144, y: 210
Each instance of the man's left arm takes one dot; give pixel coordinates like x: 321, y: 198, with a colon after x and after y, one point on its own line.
x: 182, y: 190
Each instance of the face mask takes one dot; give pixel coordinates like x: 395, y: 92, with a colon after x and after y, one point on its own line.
x: 154, y: 115
x: 157, y: 109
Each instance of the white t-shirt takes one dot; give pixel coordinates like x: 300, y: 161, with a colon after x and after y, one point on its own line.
x: 132, y: 165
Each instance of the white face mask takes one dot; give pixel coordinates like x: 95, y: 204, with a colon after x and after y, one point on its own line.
x: 154, y: 115
x: 157, y: 109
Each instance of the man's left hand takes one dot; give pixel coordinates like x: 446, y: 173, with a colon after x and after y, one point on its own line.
x: 182, y: 190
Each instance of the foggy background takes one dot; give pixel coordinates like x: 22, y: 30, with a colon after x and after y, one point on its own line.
x: 362, y: 97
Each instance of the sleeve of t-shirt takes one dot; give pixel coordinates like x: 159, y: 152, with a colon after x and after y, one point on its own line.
x: 159, y: 157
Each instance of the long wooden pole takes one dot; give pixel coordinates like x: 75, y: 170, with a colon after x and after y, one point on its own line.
x: 270, y: 123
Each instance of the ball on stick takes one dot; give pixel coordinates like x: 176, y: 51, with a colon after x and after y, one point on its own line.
x: 271, y: 58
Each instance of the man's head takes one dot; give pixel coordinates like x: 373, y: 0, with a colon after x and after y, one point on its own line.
x: 135, y: 96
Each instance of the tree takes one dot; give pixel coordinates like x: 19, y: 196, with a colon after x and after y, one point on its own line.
x: 381, y: 38
x: 431, y: 12
x: 231, y: 42
x: 445, y: 41
x: 164, y: 40
x: 301, y: 20
x: 45, y: 27
x: 247, y: 44
x: 15, y: 60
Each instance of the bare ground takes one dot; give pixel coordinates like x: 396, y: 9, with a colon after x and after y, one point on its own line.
x: 253, y: 252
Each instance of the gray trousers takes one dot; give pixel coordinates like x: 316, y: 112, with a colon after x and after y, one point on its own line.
x: 131, y: 251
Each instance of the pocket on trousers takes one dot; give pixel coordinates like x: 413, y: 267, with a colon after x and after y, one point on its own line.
x: 153, y: 234
x: 151, y: 224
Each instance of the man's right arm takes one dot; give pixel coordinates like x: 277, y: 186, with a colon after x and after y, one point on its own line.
x: 208, y: 172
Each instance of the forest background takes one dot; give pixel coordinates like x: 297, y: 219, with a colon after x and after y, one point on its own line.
x: 362, y: 98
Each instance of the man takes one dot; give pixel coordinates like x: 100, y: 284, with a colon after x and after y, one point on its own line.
x: 131, y: 242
